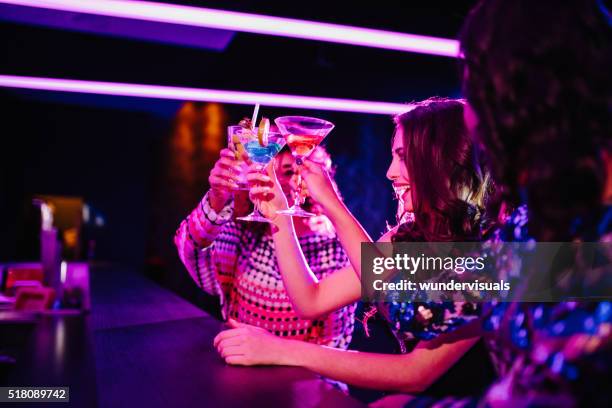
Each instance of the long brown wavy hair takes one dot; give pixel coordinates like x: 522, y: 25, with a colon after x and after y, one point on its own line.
x: 449, y: 183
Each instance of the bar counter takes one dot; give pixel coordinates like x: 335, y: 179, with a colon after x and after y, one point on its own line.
x: 151, y: 348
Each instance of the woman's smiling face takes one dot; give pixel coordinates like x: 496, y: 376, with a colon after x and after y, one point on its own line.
x: 398, y: 173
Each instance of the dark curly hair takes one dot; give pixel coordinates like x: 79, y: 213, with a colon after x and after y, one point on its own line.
x: 449, y: 185
x: 537, y: 75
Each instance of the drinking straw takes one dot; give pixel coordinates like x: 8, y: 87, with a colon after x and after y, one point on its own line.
x: 254, y: 118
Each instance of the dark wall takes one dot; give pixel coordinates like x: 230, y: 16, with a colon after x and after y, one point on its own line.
x: 110, y: 150
x: 103, y: 155
x: 114, y: 152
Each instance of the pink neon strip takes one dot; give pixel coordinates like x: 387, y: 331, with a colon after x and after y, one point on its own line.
x: 252, y: 23
x: 198, y: 94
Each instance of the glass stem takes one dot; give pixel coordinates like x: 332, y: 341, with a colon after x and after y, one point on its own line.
x: 297, y: 200
x: 256, y: 208
x: 256, y: 202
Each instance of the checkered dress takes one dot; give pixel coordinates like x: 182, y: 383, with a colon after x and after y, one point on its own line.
x: 236, y: 263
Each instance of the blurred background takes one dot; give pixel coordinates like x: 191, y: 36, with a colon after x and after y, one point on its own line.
x: 135, y: 167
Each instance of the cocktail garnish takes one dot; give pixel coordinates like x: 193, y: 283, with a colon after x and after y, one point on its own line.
x: 262, y: 132
x: 239, y: 151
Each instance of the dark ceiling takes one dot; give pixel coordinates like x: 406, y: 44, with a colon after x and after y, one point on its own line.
x: 118, y: 143
x: 257, y: 62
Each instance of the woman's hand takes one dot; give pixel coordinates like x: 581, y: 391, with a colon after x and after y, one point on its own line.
x: 223, y: 179
x: 248, y: 345
x: 266, y: 190
x: 319, y: 184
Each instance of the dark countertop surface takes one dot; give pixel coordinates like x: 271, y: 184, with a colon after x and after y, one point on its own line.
x: 173, y: 364
x: 122, y: 297
x: 154, y: 349
x: 143, y: 346
x: 57, y: 353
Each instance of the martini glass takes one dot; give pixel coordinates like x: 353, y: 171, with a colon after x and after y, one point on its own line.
x: 303, y: 134
x: 235, y: 145
x: 261, y: 155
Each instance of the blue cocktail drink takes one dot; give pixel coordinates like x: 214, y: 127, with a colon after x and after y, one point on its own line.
x: 261, y: 146
x: 262, y: 154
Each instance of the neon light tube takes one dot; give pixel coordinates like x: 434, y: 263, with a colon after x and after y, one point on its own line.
x: 199, y: 94
x: 252, y: 23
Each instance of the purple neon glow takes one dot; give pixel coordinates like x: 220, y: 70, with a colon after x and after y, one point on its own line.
x: 199, y: 94
x: 190, y: 36
x: 252, y: 23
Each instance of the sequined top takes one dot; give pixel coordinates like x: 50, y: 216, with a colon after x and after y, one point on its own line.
x: 550, y: 354
x: 545, y: 354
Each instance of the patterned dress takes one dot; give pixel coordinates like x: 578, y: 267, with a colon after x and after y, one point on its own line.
x: 545, y: 354
x: 232, y: 260
x: 551, y: 354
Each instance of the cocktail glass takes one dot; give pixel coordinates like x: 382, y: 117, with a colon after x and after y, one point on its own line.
x: 261, y: 155
x: 303, y: 135
x: 233, y: 142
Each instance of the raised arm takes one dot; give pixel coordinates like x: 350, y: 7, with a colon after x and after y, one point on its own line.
x: 310, y: 297
x: 194, y: 242
x: 208, y: 222
x: 350, y: 232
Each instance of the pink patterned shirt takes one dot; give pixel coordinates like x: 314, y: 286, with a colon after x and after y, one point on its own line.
x: 228, y: 259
